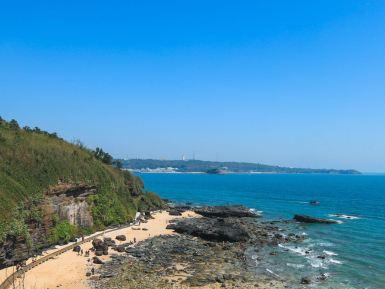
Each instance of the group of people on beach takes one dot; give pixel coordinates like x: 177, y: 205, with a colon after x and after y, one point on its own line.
x: 86, y: 254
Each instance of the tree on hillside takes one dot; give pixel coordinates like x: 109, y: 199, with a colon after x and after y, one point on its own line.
x: 79, y: 144
x: 118, y: 164
x: 27, y: 128
x: 54, y: 135
x: 14, y: 124
x: 103, y: 156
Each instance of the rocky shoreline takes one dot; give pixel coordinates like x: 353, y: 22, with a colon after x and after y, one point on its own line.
x: 208, y: 252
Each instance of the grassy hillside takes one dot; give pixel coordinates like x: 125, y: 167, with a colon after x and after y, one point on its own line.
x: 32, y: 161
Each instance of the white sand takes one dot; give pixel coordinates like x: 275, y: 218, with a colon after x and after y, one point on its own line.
x: 68, y: 270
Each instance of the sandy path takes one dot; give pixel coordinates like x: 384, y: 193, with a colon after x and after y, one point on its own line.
x: 68, y: 270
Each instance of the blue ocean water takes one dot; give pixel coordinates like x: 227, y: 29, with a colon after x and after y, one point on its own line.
x: 354, y: 249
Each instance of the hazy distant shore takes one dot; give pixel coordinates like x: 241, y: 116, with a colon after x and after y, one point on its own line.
x: 199, y: 166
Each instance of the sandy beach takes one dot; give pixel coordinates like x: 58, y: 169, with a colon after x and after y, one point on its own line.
x: 68, y: 270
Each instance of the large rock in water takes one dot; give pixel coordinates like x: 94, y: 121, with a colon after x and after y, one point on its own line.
x: 308, y: 219
x: 214, y: 229
x: 226, y: 211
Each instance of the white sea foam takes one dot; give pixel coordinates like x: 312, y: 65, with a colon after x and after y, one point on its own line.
x: 298, y: 250
x: 343, y: 216
x: 297, y: 266
x: 316, y: 263
x: 272, y: 273
x: 330, y: 253
x: 256, y: 211
x: 335, y: 261
x: 254, y: 257
x: 325, y: 244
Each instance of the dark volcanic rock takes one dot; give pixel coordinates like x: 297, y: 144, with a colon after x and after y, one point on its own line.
x: 109, y: 242
x: 120, y: 249
x: 183, y: 262
x: 178, y: 210
x: 226, y: 211
x: 314, y: 203
x: 77, y: 249
x: 209, y: 250
x: 174, y: 212
x: 308, y: 219
x: 233, y: 230
x: 305, y: 280
x: 99, y: 245
x: 97, y: 260
x: 121, y: 238
x: 211, y: 229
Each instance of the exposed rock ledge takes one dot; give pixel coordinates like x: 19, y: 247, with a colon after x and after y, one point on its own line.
x: 226, y: 211
x: 71, y: 190
x: 68, y: 201
x: 308, y: 219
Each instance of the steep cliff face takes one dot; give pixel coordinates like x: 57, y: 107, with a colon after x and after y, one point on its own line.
x: 13, y: 250
x: 68, y: 202
x: 76, y: 212
x: 17, y: 248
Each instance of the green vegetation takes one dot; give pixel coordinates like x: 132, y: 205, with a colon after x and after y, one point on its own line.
x: 32, y: 161
x: 62, y: 231
x: 103, y: 156
x: 236, y: 167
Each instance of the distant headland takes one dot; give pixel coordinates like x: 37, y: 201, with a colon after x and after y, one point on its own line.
x: 199, y: 166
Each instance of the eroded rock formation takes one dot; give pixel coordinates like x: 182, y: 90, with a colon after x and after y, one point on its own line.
x: 69, y: 202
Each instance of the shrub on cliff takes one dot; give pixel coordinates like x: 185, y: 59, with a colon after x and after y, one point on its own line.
x: 62, y: 232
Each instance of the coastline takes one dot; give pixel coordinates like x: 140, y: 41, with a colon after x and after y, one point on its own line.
x: 207, y: 252
x: 251, y: 173
x: 68, y: 270
x: 183, y: 247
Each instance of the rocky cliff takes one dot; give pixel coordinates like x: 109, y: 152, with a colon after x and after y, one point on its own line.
x: 52, y: 191
x: 69, y: 202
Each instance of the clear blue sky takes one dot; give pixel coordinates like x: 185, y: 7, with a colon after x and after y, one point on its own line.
x: 297, y: 83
